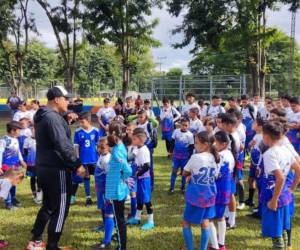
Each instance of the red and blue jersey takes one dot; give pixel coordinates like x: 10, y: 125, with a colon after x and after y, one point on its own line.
x: 202, y: 190
x: 87, y: 143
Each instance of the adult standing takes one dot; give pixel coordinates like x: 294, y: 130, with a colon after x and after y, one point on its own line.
x: 13, y: 102
x: 56, y: 159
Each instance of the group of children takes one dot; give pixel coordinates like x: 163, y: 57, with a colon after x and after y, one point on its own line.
x: 207, y: 143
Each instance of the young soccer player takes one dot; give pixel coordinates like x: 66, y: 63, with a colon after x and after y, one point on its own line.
x: 142, y: 161
x: 196, y: 125
x: 11, y: 158
x: 105, y: 115
x: 103, y: 205
x: 22, y: 112
x: 294, y: 124
x: 148, y: 109
x: 128, y: 109
x: 116, y: 189
x: 150, y: 126
x: 24, y: 133
x: 168, y: 117
x: 85, y: 140
x: 190, y: 99
x: 182, y: 147
x: 285, y: 101
x: 249, y: 115
x: 9, y: 179
x: 34, y: 106
x: 215, y: 108
x: 30, y: 157
x: 275, y: 195
x: 209, y: 125
x: 201, y: 192
x: 223, y: 183
x: 255, y: 155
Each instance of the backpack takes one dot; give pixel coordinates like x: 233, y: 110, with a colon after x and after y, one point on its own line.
x: 153, y: 134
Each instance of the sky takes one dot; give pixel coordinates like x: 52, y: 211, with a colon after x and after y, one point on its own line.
x: 166, y: 56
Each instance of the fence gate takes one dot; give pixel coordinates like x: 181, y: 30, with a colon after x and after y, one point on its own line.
x: 203, y: 87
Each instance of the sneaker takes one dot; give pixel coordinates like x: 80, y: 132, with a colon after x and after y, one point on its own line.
x: 39, y: 197
x: 98, y: 229
x: 249, y: 203
x: 11, y: 207
x: 88, y: 202
x: 3, y: 244
x: 36, y: 245
x: 255, y: 210
x: 240, y: 206
x: 101, y: 246
x: 16, y: 203
x: 230, y: 227
x: 73, y: 200
x: 171, y: 191
x: 148, y: 226
x: 133, y: 221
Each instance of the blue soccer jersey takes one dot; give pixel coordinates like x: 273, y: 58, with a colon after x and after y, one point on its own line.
x: 87, y: 143
x: 10, y: 152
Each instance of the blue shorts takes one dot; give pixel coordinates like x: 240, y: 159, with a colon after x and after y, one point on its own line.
x: 196, y: 215
x: 100, y: 200
x: 220, y: 211
x: 76, y: 179
x: 133, y: 188
x: 108, y: 207
x: 179, y: 163
x: 292, y: 206
x: 143, y: 194
x: 233, y: 186
x: 239, y: 175
x: 273, y: 223
x: 252, y: 172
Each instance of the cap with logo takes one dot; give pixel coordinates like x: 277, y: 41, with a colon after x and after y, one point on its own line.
x: 58, y: 91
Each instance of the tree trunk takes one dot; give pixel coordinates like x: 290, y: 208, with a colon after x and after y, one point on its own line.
x: 125, y: 76
x: 20, y: 74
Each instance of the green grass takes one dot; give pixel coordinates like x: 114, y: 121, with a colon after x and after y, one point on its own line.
x: 15, y: 226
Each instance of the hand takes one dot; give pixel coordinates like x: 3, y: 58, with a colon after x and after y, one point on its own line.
x: 23, y: 164
x: 72, y: 117
x: 106, y: 128
x: 272, y: 205
x: 80, y: 171
x: 1, y: 171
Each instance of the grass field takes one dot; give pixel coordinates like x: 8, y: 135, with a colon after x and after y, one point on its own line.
x: 15, y: 226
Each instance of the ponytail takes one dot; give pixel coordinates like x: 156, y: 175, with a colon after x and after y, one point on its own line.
x: 234, y: 152
x: 205, y: 137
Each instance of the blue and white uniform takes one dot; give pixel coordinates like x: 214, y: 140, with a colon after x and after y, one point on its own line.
x: 213, y: 111
x: 276, y: 158
x: 106, y: 115
x: 224, y: 182
x: 24, y: 133
x: 200, y: 196
x: 100, y: 179
x: 186, y: 109
x: 30, y: 146
x: 168, y: 117
x: 10, y: 154
x: 196, y: 126
x: 131, y: 160
x: 142, y: 157
x: 294, y: 134
x: 248, y: 119
x: 255, y: 155
x: 181, y: 152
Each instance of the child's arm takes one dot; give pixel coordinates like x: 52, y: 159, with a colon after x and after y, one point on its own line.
x: 176, y: 113
x: 153, y: 121
x: 131, y: 118
x: 186, y: 173
x: 252, y: 143
x: 296, y: 167
x: 272, y: 204
x: 76, y: 148
x: 143, y: 169
x: 22, y: 162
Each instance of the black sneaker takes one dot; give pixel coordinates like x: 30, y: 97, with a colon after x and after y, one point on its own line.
x: 249, y: 203
x: 88, y: 202
x: 16, y: 203
x: 11, y: 207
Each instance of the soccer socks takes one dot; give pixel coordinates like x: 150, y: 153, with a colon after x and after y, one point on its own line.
x: 173, y: 180
x: 133, y: 207
x: 150, y: 218
x: 108, y: 230
x: 222, y: 232
x: 213, y: 236
x: 87, y: 187
x: 188, y: 238
x: 138, y: 215
x: 251, y: 194
x: 204, y: 238
x: 182, y: 183
x: 231, y: 218
x: 13, y: 191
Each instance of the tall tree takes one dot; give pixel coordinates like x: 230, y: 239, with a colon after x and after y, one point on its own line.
x: 122, y: 22
x: 65, y: 21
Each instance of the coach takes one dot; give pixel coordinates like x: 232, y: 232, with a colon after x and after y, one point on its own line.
x: 55, y: 161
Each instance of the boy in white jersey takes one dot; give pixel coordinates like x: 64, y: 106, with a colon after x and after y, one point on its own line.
x: 190, y: 99
x: 105, y: 115
x: 196, y: 125
x: 215, y: 108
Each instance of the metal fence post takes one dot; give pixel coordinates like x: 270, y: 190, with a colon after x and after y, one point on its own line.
x: 244, y: 84
x: 180, y: 91
x: 210, y: 87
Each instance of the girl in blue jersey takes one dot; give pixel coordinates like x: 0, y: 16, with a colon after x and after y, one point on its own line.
x: 168, y: 117
x: 182, y: 147
x: 201, y: 192
x: 223, y: 183
x: 275, y: 195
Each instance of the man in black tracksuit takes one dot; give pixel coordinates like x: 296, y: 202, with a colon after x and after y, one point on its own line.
x: 55, y: 162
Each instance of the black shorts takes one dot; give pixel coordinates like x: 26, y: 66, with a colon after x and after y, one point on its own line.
x: 90, y: 169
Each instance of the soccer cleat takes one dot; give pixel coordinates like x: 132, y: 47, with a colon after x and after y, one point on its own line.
x: 240, y: 206
x: 101, y: 246
x: 98, y: 229
x: 16, y: 203
x: 36, y: 245
x: 249, y: 203
x: 133, y: 221
x: 88, y: 202
x: 73, y: 200
x: 3, y: 244
x: 148, y: 226
x: 39, y: 197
